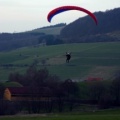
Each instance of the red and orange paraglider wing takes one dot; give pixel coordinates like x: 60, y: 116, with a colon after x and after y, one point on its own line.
x: 66, y: 8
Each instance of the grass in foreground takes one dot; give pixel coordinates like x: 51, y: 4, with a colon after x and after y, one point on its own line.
x: 69, y: 117
x: 65, y: 117
x: 102, y: 115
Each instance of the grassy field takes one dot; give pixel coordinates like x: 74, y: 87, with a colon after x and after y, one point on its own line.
x: 68, y: 117
x: 110, y: 115
x: 88, y: 60
x: 52, y: 31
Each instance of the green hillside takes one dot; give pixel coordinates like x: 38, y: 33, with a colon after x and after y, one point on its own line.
x: 51, y: 31
x: 88, y: 60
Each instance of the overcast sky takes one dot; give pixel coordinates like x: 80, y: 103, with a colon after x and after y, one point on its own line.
x: 23, y: 15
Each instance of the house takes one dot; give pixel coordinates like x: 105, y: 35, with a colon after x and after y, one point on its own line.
x: 26, y: 93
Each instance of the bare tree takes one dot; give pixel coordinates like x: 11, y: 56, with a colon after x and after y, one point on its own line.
x: 115, y: 90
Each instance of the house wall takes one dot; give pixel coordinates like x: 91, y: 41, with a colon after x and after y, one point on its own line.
x: 7, y: 94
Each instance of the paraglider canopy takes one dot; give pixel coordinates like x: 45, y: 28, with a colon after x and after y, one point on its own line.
x: 66, y: 8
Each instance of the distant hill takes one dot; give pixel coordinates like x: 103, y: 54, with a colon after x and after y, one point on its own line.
x: 81, y: 30
x: 10, y: 41
x: 85, y: 30
x: 51, y: 30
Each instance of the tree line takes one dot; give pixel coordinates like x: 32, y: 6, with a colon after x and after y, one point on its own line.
x: 68, y: 94
x: 11, y: 41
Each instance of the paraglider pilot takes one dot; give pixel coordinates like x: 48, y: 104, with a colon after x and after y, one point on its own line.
x: 68, y: 56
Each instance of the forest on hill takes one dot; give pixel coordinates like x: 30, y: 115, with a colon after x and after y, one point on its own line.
x: 85, y: 30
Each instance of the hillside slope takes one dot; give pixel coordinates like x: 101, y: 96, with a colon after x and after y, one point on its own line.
x: 10, y: 41
x: 85, y: 30
x: 50, y: 30
x: 88, y: 60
